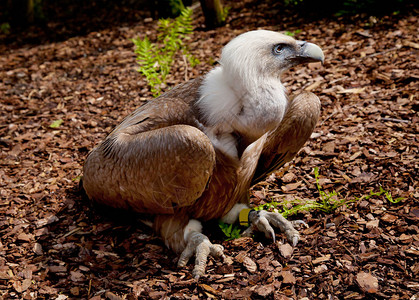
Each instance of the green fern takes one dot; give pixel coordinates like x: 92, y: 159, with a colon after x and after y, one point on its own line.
x: 231, y: 231
x: 327, y: 202
x: 155, y: 59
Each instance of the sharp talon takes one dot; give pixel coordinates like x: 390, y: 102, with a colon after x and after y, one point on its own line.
x: 295, y: 241
x: 273, y: 236
x: 300, y: 222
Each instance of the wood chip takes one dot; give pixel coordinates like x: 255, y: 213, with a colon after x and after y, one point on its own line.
x: 287, y: 277
x: 249, y: 264
x: 286, y: 250
x: 367, y: 282
x: 321, y: 259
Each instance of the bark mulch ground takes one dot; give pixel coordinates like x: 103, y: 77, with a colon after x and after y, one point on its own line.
x: 55, y: 245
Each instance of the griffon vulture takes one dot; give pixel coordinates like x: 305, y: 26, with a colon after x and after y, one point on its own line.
x: 192, y: 154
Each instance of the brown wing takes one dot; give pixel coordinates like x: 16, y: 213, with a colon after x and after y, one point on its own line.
x: 283, y: 143
x: 153, y: 162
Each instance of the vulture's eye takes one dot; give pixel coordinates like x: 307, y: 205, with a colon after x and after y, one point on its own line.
x: 277, y: 49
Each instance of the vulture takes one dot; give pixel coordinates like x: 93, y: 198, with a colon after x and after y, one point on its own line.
x: 192, y: 154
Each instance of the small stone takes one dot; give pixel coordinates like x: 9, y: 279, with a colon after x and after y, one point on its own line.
x: 37, y: 249
x: 367, y: 282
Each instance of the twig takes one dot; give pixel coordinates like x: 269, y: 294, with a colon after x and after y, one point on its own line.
x: 349, y: 251
x: 394, y: 120
x: 89, y: 289
x: 329, y: 116
x: 383, y: 52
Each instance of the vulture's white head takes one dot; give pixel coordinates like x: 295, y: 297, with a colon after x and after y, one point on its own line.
x: 245, y: 94
x: 260, y: 54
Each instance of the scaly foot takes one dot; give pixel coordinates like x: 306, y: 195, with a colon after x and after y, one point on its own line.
x: 199, y: 245
x: 262, y: 220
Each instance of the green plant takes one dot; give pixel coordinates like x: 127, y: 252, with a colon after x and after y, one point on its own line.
x: 231, y: 231
x: 77, y: 178
x: 389, y: 197
x: 38, y: 10
x: 327, y: 202
x: 5, y: 28
x: 155, y: 59
x: 176, y: 7
x: 292, y: 33
x: 56, y: 123
x: 226, y: 10
x: 292, y: 2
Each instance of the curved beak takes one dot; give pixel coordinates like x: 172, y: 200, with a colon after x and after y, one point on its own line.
x: 309, y: 52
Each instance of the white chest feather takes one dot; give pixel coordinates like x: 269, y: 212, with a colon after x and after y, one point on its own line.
x: 229, y: 106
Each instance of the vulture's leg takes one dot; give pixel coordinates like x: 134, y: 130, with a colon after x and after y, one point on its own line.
x: 281, y: 146
x: 262, y: 221
x: 200, y: 246
x: 160, y: 173
x: 185, y: 237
